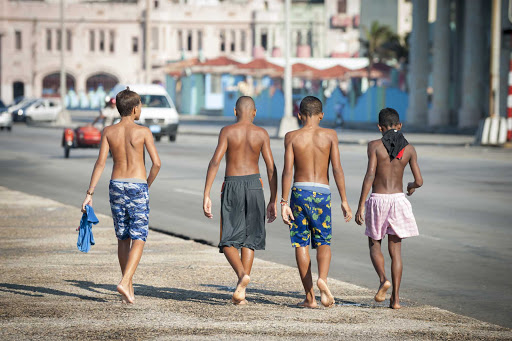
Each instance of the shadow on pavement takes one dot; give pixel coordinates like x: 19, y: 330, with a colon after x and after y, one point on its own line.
x: 38, y: 291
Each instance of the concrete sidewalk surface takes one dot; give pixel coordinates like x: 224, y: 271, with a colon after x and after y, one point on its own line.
x: 49, y: 290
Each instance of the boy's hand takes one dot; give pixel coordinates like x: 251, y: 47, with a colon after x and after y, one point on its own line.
x: 347, y: 212
x: 360, y: 216
x: 271, y: 211
x: 287, y: 215
x: 207, y: 207
x: 410, y: 188
x: 87, y: 201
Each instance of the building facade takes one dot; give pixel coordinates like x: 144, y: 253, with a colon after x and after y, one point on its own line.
x: 104, y: 40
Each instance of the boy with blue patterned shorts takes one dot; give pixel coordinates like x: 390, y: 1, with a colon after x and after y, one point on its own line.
x: 128, y: 189
x: 310, y: 150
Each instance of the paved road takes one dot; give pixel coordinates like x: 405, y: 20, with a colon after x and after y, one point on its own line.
x: 460, y: 262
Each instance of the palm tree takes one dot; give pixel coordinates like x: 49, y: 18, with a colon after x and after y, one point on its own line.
x: 376, y: 41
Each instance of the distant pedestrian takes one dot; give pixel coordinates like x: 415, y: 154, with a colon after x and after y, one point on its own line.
x: 128, y: 189
x: 311, y: 150
x: 242, y: 216
x: 388, y: 212
x: 108, y: 114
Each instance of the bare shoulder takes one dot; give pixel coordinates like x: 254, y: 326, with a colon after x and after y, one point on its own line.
x: 290, y: 136
x: 373, y: 145
x: 409, y: 149
x: 330, y: 133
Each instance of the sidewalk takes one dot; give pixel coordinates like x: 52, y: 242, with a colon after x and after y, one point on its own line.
x: 49, y: 290
x: 206, y: 125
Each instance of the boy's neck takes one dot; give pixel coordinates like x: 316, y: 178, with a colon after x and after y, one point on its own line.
x: 386, y: 129
x: 130, y: 118
x: 311, y: 122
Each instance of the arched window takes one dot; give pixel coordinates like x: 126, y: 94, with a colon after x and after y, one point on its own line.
x: 51, y: 84
x: 101, y: 79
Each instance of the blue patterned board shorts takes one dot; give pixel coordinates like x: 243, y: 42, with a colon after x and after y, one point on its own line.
x: 129, y: 203
x: 312, y: 213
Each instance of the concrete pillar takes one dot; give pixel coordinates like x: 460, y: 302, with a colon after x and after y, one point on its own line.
x: 439, y: 114
x: 473, y: 57
x: 419, y: 66
x: 257, y: 36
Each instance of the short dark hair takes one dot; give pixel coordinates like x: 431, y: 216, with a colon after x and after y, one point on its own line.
x: 126, y: 100
x: 244, y: 103
x: 388, y: 117
x: 310, y: 105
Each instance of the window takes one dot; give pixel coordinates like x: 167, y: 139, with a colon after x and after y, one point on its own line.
x: 17, y: 38
x: 222, y: 41
x: 48, y: 39
x: 135, y: 44
x: 154, y: 38
x: 342, y: 6
x: 199, y: 40
x: 91, y: 40
x: 59, y: 40
x: 242, y: 42
x: 69, y: 45
x: 102, y: 40
x: 216, y: 86
x: 189, y: 41
x: 180, y: 40
x: 233, y: 39
x: 264, y: 39
x: 112, y: 41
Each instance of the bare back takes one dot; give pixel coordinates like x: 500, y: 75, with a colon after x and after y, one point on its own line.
x: 126, y: 142
x: 389, y: 173
x: 244, y: 146
x: 312, y: 153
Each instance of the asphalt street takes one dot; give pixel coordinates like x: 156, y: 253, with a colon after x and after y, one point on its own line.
x: 460, y: 262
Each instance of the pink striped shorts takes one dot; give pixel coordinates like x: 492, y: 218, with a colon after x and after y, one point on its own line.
x: 389, y: 214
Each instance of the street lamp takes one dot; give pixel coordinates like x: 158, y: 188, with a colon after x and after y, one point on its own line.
x: 288, y: 122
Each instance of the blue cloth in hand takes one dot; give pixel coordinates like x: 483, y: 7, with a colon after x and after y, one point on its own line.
x: 85, y: 237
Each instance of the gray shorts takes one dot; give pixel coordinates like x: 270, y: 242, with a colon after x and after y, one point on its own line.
x: 243, y: 212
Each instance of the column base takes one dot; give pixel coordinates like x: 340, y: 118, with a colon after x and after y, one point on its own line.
x: 469, y: 117
x: 288, y: 123
x: 438, y: 117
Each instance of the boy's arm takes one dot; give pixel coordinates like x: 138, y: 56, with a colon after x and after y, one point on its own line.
x: 213, y: 167
x: 339, y: 177
x: 367, y: 182
x: 415, y: 169
x: 99, y: 166
x: 266, y: 152
x: 286, y: 212
x: 153, y: 154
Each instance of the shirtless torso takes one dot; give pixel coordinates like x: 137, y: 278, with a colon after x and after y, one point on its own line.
x: 388, y: 174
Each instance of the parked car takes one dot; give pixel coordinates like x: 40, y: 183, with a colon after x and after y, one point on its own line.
x: 45, y: 109
x: 5, y: 118
x: 18, y: 110
x: 158, y: 111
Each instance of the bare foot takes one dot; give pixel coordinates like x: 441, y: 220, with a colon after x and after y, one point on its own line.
x: 125, y: 293
x: 381, y: 293
x: 239, y: 294
x: 325, y: 294
x: 244, y: 302
x: 307, y: 304
x: 394, y: 304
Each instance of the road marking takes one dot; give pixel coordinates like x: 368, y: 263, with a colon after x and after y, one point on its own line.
x: 186, y: 191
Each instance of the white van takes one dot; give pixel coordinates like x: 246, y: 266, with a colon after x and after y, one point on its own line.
x: 158, y: 111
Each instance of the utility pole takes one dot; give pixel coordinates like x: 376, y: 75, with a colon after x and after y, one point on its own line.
x: 63, y: 118
x: 288, y: 122
x: 494, y: 94
x: 147, y: 49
